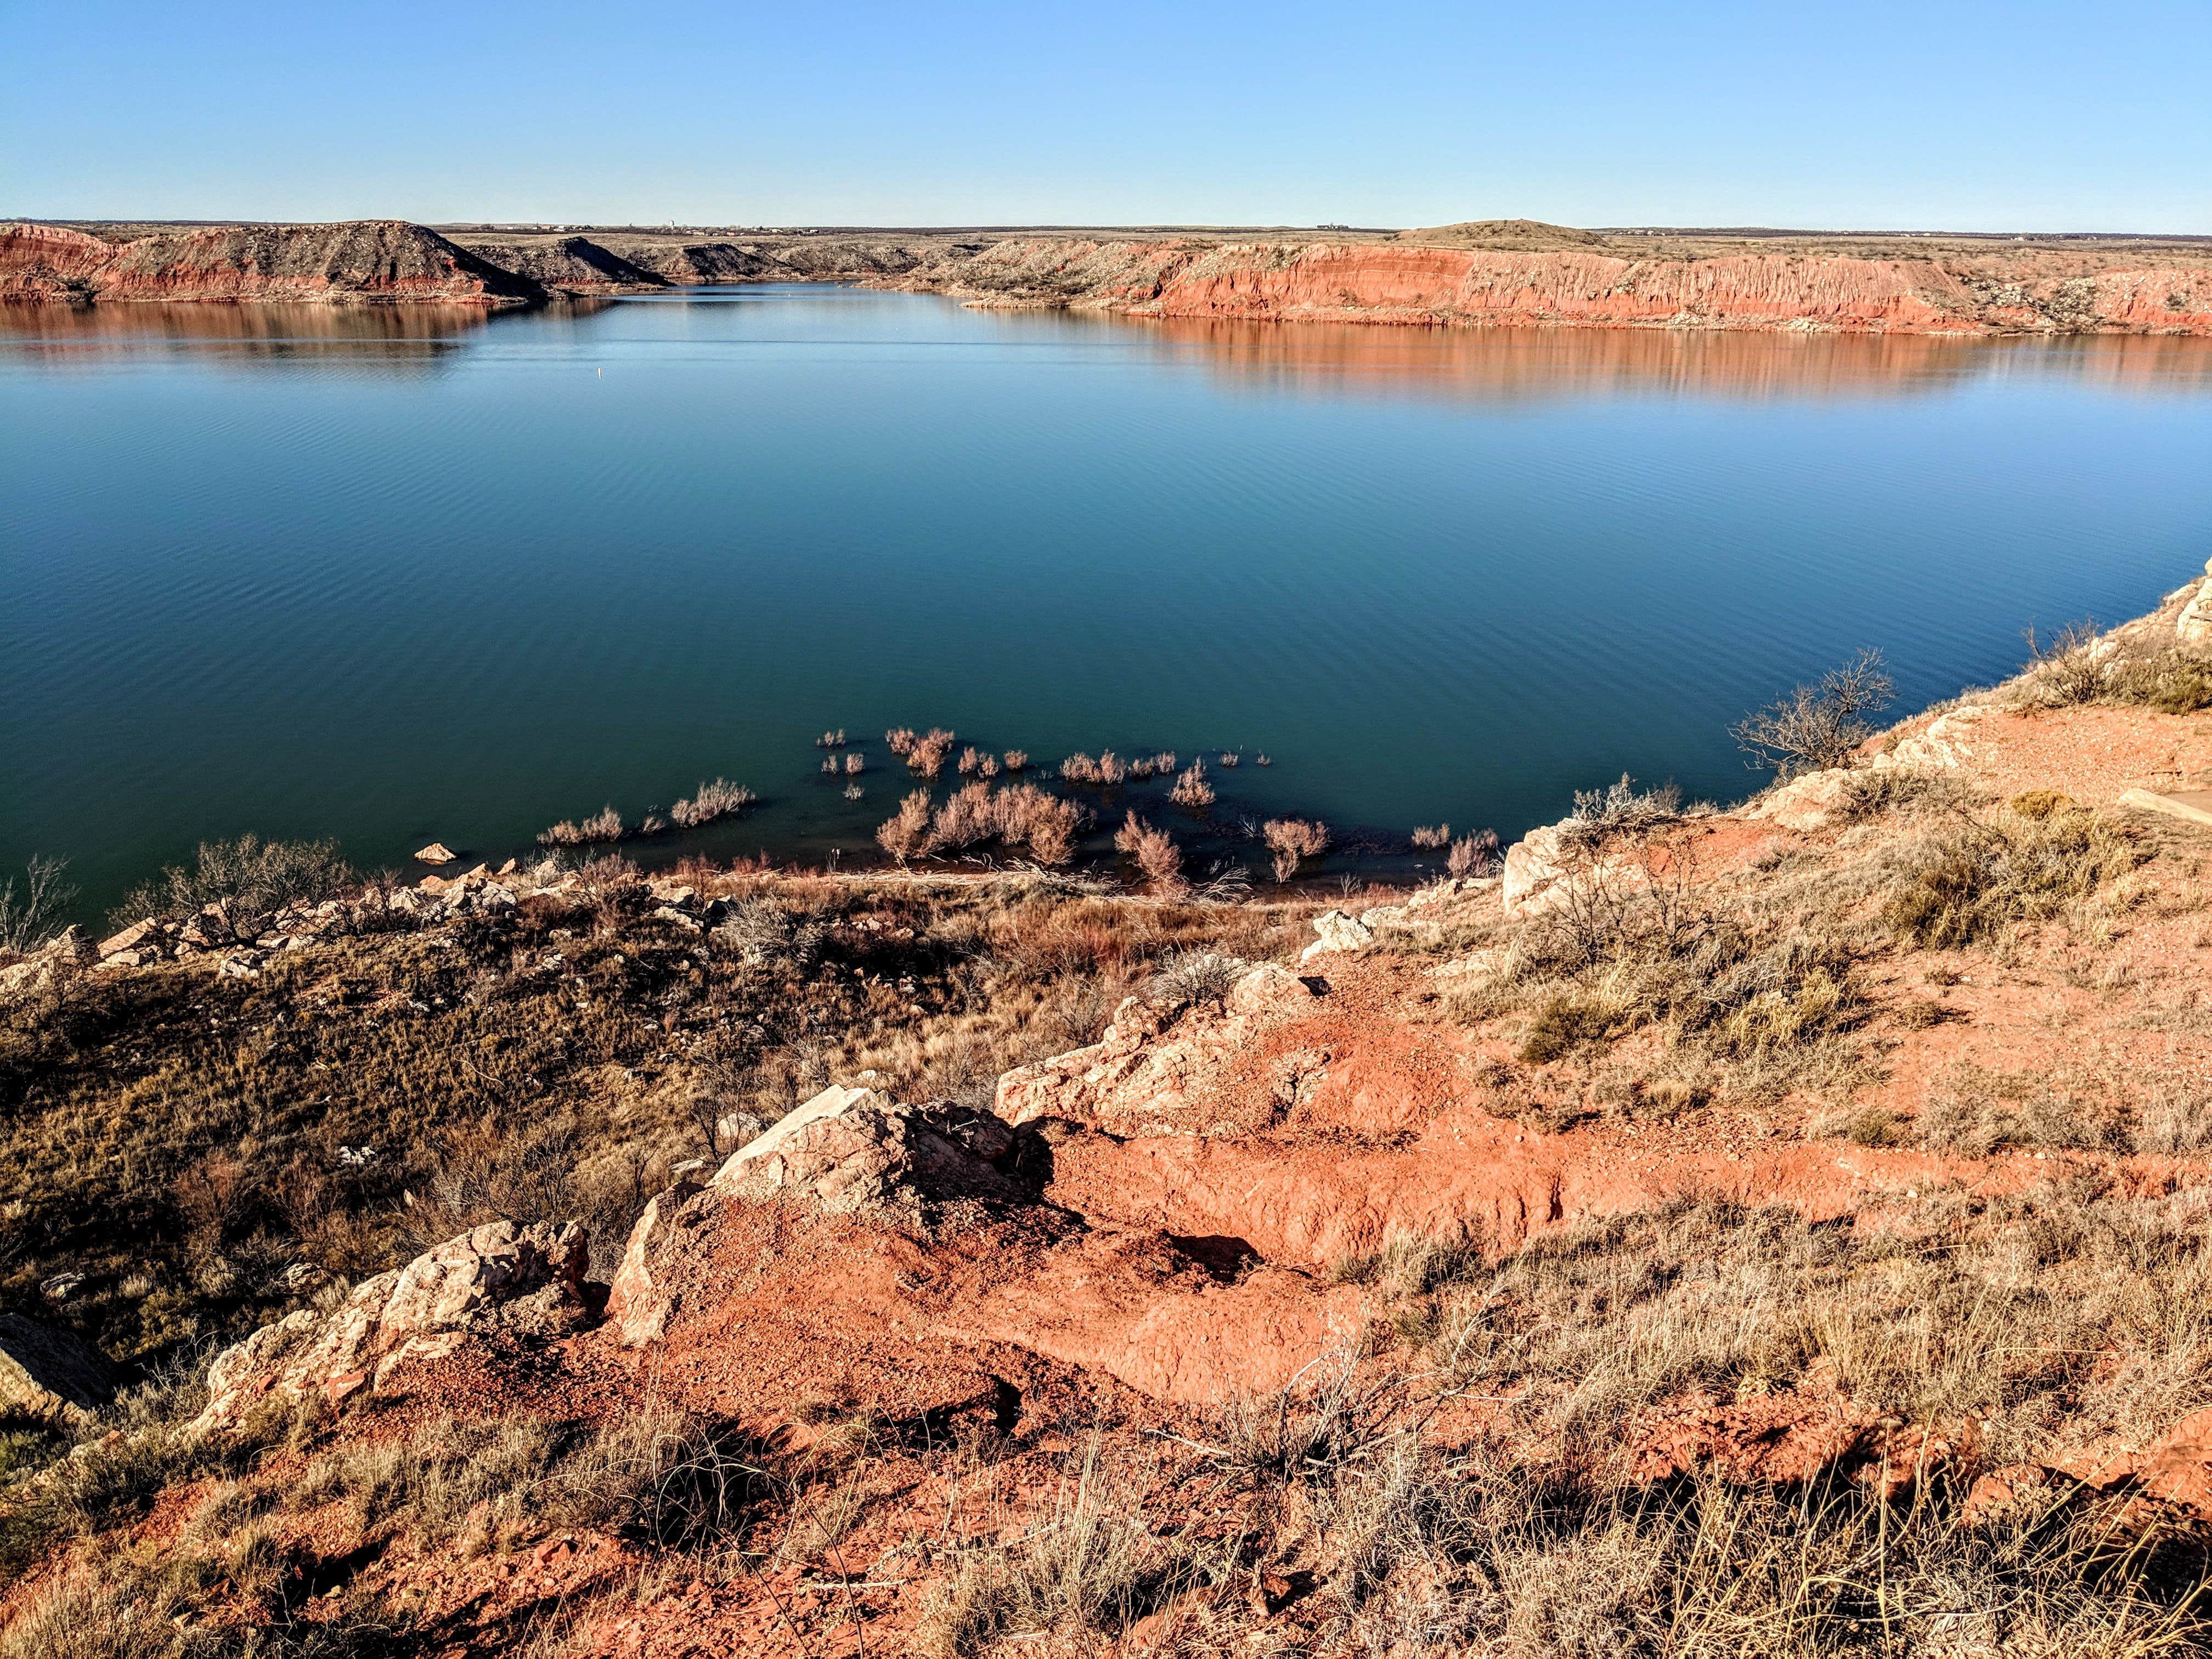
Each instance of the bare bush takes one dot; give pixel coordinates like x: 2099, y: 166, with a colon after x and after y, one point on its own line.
x: 1156, y: 855
x: 28, y: 921
x: 971, y: 759
x: 900, y: 740
x: 1819, y: 725
x: 927, y: 758
x: 855, y: 765
x: 248, y: 879
x: 1427, y: 839
x: 719, y: 800
x: 1016, y: 759
x: 2067, y: 670
x: 1290, y: 840
x: 1079, y: 768
x: 604, y: 825
x: 831, y: 739
x: 1112, y: 769
x: 1191, y: 789
x: 906, y: 835
x: 1476, y: 854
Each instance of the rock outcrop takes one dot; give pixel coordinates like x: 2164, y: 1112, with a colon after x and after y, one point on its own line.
x: 526, y: 1279
x: 1401, y: 283
x: 386, y: 261
x: 850, y: 1149
x: 564, y: 264
x: 48, y: 1373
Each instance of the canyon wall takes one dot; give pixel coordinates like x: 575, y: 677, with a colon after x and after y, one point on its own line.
x: 380, y: 261
x: 1378, y: 283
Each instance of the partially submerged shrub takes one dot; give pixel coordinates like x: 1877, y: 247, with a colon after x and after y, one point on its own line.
x: 1292, y: 840
x: 604, y: 825
x: 722, y: 799
x: 1191, y: 789
x: 1819, y: 725
x: 248, y: 879
x: 927, y: 757
x: 1966, y: 884
x: 1427, y: 840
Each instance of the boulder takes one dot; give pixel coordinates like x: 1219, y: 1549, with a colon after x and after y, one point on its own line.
x: 852, y: 1149
x: 48, y: 1373
x: 1269, y: 989
x: 637, y: 1305
x: 137, y: 936
x: 1339, y: 931
x: 2194, y: 625
x: 1532, y: 863
x: 528, y: 1280
x: 53, y: 962
x: 1804, y: 803
x: 436, y: 852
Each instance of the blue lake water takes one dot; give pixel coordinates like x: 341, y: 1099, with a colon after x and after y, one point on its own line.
x: 397, y: 575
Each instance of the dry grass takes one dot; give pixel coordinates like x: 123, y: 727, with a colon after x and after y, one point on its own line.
x: 1966, y: 883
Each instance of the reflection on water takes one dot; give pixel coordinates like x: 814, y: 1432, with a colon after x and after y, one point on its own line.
x: 1549, y: 364
x: 406, y: 573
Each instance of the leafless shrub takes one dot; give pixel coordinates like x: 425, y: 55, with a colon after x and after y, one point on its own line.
x: 906, y: 835
x: 1156, y: 855
x: 831, y: 739
x: 1230, y: 758
x: 248, y: 879
x: 1291, y: 840
x: 28, y: 922
x: 853, y: 791
x: 2067, y: 670
x: 1262, y: 760
x: 1112, y: 769
x: 1427, y: 839
x: 1190, y: 976
x: 989, y: 766
x: 1191, y: 789
x: 900, y: 740
x: 927, y: 758
x: 970, y: 760
x: 830, y: 766
x: 604, y: 825
x: 1080, y: 768
x: 1476, y: 854
x: 1153, y: 766
x: 970, y: 815
x: 1819, y: 725
x: 719, y: 800
x: 1016, y: 759
x: 855, y: 765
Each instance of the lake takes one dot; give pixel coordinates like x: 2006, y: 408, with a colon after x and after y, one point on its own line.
x: 390, y: 575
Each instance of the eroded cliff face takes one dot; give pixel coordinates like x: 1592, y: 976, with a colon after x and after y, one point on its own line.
x: 386, y: 261
x: 1406, y: 284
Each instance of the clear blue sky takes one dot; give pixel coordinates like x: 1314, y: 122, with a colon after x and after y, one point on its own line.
x: 1967, y: 116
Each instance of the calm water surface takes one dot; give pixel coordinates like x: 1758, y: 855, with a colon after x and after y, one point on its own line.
x: 395, y: 575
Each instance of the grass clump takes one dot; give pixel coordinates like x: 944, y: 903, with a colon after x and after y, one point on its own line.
x: 1963, y: 885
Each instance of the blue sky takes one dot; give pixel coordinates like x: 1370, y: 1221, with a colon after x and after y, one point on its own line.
x: 2024, y: 116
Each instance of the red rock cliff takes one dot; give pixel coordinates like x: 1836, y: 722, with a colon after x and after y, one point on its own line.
x: 386, y: 261
x: 1383, y: 284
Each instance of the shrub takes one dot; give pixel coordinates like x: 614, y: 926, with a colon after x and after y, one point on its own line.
x: 1428, y: 840
x: 1563, y: 1024
x: 970, y: 759
x: 900, y: 740
x: 1474, y: 855
x: 1191, y: 789
x: 855, y: 765
x: 1112, y: 769
x: 248, y: 879
x: 927, y: 758
x: 27, y: 922
x: 2173, y: 682
x: 1291, y: 841
x: 2070, y: 670
x: 722, y: 799
x: 1079, y: 768
x: 907, y: 833
x: 1960, y: 885
x: 1819, y: 725
x: 1016, y: 759
x: 604, y: 825
x: 1156, y: 855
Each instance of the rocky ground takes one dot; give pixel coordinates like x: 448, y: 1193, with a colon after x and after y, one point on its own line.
x: 1778, y: 1231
